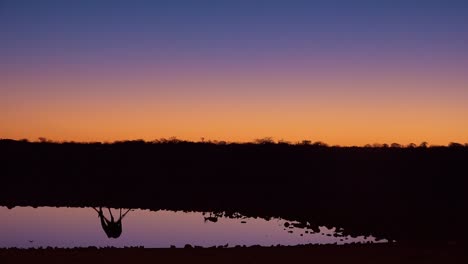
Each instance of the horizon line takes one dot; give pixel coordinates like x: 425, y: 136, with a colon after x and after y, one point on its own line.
x: 257, y: 141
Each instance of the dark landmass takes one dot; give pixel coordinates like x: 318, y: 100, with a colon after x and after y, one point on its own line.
x: 387, y: 253
x: 416, y: 194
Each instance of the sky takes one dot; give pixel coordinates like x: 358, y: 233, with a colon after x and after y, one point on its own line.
x: 342, y: 72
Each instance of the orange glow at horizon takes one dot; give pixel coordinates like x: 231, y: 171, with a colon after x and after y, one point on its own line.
x: 347, y: 110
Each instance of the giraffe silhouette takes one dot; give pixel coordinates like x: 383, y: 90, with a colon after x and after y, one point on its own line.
x: 112, y: 228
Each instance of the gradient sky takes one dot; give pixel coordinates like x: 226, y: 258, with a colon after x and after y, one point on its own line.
x: 343, y: 72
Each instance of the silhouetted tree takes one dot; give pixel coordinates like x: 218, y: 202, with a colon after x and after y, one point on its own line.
x: 265, y: 140
x: 319, y: 144
x: 455, y: 145
x: 283, y: 142
x: 175, y: 140
x: 423, y: 144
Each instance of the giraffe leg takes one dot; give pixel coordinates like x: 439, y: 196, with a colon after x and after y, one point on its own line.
x: 110, y: 212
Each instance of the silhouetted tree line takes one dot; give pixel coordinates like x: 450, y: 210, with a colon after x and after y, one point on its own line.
x: 403, y: 193
x: 259, y: 141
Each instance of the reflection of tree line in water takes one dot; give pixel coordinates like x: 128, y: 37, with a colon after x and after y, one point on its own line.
x: 308, y: 227
x: 113, y: 227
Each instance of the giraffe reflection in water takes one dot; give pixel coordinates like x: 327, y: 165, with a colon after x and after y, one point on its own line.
x: 112, y: 228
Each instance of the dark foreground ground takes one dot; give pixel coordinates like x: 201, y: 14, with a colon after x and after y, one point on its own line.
x: 416, y: 194
x: 380, y: 254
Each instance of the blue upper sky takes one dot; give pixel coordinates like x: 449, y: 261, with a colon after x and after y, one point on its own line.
x: 195, y: 26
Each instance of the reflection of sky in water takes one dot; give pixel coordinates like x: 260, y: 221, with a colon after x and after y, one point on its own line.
x: 80, y: 227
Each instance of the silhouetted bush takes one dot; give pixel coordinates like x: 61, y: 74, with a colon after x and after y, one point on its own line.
x: 455, y: 145
x: 265, y: 140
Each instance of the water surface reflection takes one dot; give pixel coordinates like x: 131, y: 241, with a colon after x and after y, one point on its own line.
x: 26, y: 227
x: 112, y: 228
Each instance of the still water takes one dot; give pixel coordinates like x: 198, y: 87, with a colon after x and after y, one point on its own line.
x: 27, y: 227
